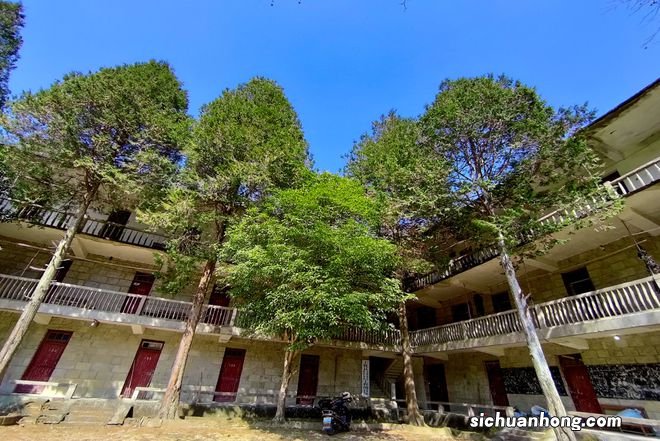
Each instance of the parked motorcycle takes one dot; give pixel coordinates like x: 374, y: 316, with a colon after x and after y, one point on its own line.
x: 336, y: 415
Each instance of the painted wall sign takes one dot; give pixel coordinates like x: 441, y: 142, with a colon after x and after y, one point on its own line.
x: 365, y: 378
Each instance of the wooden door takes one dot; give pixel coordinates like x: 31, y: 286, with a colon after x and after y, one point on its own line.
x: 308, y: 379
x: 219, y: 296
x: 143, y: 367
x: 230, y: 375
x: 141, y: 285
x: 44, y: 360
x: 437, y: 381
x: 579, y: 384
x: 496, y: 384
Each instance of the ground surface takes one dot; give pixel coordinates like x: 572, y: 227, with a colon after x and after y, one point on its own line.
x: 211, y: 430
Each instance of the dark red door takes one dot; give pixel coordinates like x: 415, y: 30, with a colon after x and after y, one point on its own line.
x: 143, y: 367
x: 44, y: 360
x: 308, y: 379
x: 579, y: 384
x: 496, y: 383
x: 141, y: 285
x: 230, y: 375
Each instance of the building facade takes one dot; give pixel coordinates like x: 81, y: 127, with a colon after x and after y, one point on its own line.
x: 105, y: 331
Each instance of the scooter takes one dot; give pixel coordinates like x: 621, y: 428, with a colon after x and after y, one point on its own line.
x: 336, y: 416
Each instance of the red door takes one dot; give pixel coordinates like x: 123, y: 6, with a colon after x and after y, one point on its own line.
x: 308, y: 379
x: 579, y: 384
x: 141, y: 285
x: 230, y: 375
x: 496, y: 383
x: 44, y: 361
x: 143, y: 367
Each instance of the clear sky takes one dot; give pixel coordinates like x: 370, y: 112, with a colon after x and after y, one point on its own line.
x: 343, y: 63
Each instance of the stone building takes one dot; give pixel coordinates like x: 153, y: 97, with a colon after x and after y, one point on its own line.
x: 105, y: 331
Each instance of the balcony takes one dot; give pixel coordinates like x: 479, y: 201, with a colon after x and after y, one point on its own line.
x: 627, y: 305
x: 92, y: 227
x: 87, y: 303
x: 632, y: 182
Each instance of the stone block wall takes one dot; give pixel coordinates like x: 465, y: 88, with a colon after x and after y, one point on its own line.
x: 98, y: 360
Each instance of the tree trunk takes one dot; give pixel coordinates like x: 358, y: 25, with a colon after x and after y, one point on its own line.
x: 170, y: 402
x: 30, y: 311
x: 289, y: 356
x: 414, y: 416
x: 555, y: 405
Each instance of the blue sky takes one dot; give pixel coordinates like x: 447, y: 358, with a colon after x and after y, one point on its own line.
x: 343, y: 63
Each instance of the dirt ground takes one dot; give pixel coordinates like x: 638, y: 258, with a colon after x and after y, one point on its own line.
x: 213, y: 430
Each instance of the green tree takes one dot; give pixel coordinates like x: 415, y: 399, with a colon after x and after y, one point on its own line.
x: 98, y: 140
x: 394, y: 165
x: 512, y: 158
x: 308, y: 264
x: 11, y: 22
x: 247, y: 142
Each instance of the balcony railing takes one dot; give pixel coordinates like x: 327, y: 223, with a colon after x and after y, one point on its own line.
x: 93, y: 227
x: 94, y: 299
x: 626, y: 298
x: 625, y: 185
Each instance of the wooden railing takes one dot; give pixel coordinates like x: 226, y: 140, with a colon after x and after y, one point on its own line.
x: 626, y: 298
x: 87, y: 298
x: 93, y: 227
x: 631, y: 182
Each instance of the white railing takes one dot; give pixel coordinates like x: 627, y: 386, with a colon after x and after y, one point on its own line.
x: 95, y: 299
x: 626, y: 298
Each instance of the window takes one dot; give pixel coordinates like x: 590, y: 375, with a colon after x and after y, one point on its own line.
x: 501, y: 302
x: 577, y: 281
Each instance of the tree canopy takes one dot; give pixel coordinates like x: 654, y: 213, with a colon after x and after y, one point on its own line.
x: 104, y: 134
x: 307, y: 264
x: 11, y: 22
x: 512, y: 157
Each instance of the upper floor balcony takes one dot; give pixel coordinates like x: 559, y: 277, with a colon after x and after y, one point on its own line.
x: 628, y: 306
x: 140, y: 311
x: 630, y: 183
x: 99, y: 228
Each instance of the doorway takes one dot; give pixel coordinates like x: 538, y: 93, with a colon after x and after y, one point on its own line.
x: 44, y: 361
x: 114, y: 225
x: 308, y: 379
x: 143, y: 367
x: 496, y: 383
x: 437, y: 382
x: 579, y: 384
x: 230, y: 375
x: 141, y: 285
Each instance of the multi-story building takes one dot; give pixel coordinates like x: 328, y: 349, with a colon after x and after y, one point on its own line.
x: 104, y: 331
